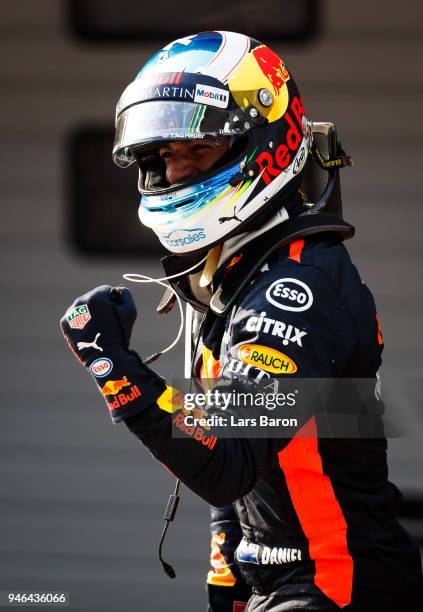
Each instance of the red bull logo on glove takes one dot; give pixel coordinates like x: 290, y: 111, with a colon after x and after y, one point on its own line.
x: 112, y: 387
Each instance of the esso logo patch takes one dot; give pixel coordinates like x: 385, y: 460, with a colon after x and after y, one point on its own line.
x: 289, y: 294
x: 101, y: 367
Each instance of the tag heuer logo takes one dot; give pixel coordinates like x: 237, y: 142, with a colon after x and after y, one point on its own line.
x: 78, y: 317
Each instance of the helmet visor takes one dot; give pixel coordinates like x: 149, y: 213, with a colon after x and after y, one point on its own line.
x: 153, y: 121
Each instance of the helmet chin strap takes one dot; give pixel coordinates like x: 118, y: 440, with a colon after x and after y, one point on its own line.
x: 212, y: 261
x: 199, y: 282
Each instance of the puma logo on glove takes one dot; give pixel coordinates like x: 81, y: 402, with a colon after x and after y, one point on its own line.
x: 93, y: 344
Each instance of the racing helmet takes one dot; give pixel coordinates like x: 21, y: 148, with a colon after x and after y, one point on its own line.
x: 213, y: 85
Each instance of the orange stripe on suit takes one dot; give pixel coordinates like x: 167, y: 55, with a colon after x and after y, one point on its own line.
x: 295, y: 249
x: 319, y: 513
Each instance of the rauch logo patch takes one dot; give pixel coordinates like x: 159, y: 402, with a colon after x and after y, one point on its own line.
x: 266, y: 358
x: 290, y: 294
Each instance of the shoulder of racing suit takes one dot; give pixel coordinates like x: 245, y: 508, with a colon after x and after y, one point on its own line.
x: 257, y: 252
x: 307, y: 301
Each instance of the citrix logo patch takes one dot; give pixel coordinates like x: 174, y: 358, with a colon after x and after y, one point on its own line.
x: 264, y: 324
x: 188, y: 236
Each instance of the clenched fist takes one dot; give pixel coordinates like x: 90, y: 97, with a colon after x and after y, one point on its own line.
x: 97, y: 328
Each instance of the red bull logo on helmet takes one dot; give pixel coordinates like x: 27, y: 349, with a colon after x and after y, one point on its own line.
x: 272, y: 67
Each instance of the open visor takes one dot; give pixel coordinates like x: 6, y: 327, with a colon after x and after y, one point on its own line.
x: 143, y: 124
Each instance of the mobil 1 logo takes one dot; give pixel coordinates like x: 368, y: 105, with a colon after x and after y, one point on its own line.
x: 289, y: 294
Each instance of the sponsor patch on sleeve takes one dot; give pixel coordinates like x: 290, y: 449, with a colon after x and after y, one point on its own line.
x: 266, y: 358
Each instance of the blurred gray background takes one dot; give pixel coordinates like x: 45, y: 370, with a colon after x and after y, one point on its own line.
x: 80, y: 500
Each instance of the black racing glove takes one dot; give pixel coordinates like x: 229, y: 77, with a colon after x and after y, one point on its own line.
x: 97, y: 328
